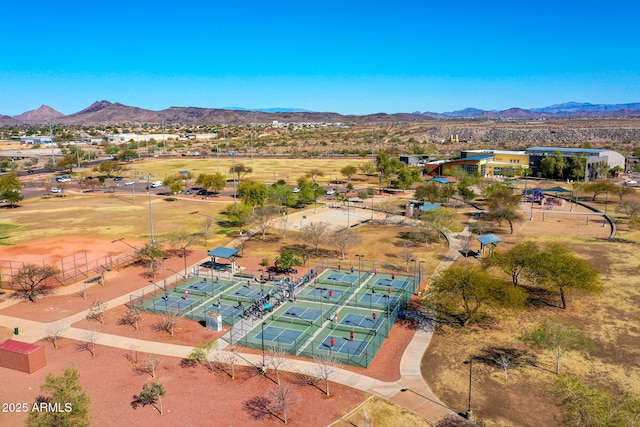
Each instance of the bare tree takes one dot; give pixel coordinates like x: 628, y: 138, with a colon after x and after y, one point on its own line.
x: 326, y: 368
x: 230, y: 357
x: 89, y: 342
x: 169, y: 321
x: 504, y: 360
x: 265, y: 216
x: 282, y: 397
x: 207, y: 228
x: 132, y: 356
x: 96, y: 311
x: 277, y: 359
x: 54, y: 333
x: 389, y: 209
x: 30, y: 282
x: 345, y: 238
x: 315, y: 233
x: 132, y: 316
x: 148, y: 366
x: 407, y: 253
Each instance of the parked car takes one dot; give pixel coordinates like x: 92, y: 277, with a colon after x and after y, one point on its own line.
x: 202, y: 192
x: 63, y: 179
x: 631, y: 182
x: 296, y: 190
x: 129, y: 182
x: 117, y: 178
x: 156, y: 184
x: 332, y: 191
x: 56, y: 190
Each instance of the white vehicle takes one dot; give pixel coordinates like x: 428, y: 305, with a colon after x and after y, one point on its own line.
x: 63, y: 179
x: 631, y: 183
x: 331, y: 192
x: 56, y: 190
x: 296, y: 190
x: 130, y: 182
x: 156, y: 184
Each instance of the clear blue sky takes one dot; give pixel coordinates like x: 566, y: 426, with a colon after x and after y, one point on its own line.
x: 351, y: 57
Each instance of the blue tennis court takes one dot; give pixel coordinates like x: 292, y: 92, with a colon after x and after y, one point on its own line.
x: 311, y: 314
x: 174, y: 302
x: 203, y: 286
x: 279, y: 335
x: 344, y: 345
x: 225, y: 310
x: 347, y: 279
x: 324, y: 293
x: 394, y: 283
x: 361, y: 321
x: 247, y: 293
x: 379, y: 299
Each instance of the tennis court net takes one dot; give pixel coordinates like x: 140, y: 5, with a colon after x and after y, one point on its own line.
x: 293, y: 319
x: 354, y: 328
x: 194, y: 292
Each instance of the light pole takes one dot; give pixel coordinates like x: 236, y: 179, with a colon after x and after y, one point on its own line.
x: 164, y: 273
x: 420, y: 275
x: 388, y: 310
x: 233, y: 154
x: 264, y: 366
x: 606, y: 202
x: 415, y: 273
x: 359, y: 266
x: 470, y: 363
x: 153, y: 237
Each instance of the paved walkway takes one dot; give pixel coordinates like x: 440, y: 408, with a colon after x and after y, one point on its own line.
x: 410, y: 391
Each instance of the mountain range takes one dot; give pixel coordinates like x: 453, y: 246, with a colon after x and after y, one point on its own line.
x: 107, y: 113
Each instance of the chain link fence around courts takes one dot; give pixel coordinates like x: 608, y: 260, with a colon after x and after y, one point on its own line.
x: 312, y: 345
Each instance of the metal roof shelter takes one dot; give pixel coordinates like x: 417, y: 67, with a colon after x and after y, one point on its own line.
x: 22, y: 356
x: 440, y: 180
x: 429, y: 207
x: 226, y: 253
x: 223, y: 252
x: 488, y: 240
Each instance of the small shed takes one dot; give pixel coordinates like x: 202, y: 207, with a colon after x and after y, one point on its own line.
x: 22, y: 356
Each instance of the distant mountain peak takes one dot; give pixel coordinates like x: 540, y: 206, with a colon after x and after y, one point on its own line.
x: 42, y: 114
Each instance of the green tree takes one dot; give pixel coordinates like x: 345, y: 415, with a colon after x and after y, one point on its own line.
x: 150, y: 255
x: 66, y: 394
x: 212, y: 181
x: 558, y: 267
x: 174, y: 183
x: 10, y: 186
x: 281, y: 195
x: 599, y: 187
x: 441, y: 220
x: 253, y: 193
x: 238, y: 214
x: 287, y: 260
x: 503, y: 204
x: 241, y: 170
x: 515, y: 260
x: 201, y: 352
x: 555, y: 338
x: 349, y: 171
x: 151, y: 394
x: 465, y: 292
x: 108, y: 167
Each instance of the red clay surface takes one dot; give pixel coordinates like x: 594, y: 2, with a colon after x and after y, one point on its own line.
x: 195, y: 396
